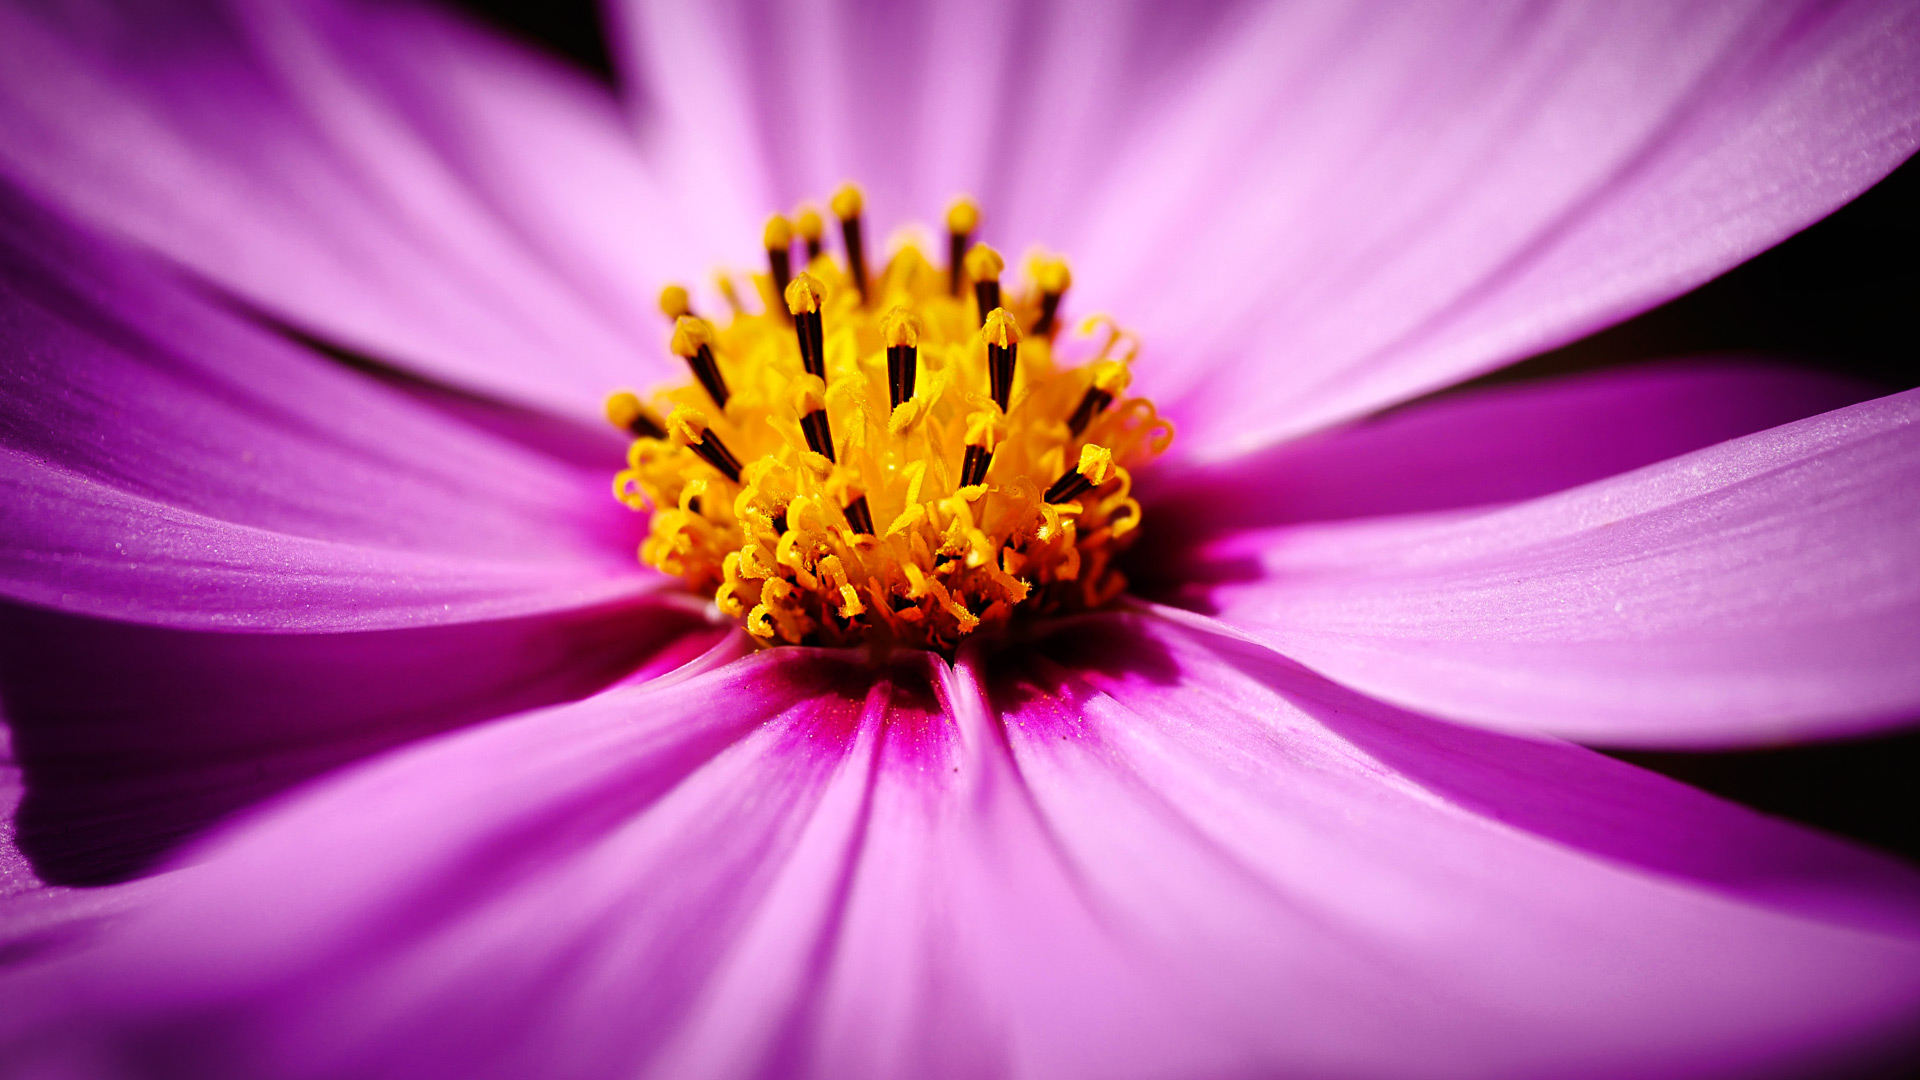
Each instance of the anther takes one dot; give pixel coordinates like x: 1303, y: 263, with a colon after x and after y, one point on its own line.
x: 1109, y: 378
x: 983, y: 266
x: 689, y: 428
x: 1096, y: 466
x: 627, y: 414
x: 1054, y: 278
x: 807, y: 224
x: 673, y: 302
x: 962, y: 218
x: 692, y: 341
x: 902, y: 331
x: 779, y: 242
x: 859, y: 518
x: 809, y: 401
x: 846, y: 206
x: 1003, y: 349
x: 979, y: 454
x: 803, y: 304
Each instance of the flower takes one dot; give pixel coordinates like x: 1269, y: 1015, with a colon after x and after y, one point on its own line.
x: 1314, y: 821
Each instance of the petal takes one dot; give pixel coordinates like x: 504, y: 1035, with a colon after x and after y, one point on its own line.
x: 1310, y: 211
x: 386, y: 179
x: 167, y: 462
x: 1371, y: 203
x: 1490, y: 445
x: 1168, y: 861
x: 1760, y: 590
x: 132, y: 738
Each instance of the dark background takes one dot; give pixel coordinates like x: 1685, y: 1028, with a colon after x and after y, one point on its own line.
x: 1842, y: 296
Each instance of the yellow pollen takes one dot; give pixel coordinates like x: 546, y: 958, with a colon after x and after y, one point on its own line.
x: 846, y: 202
x: 886, y: 463
x: 804, y: 294
x: 963, y: 216
x: 984, y: 263
x: 673, y: 302
x: 779, y: 234
x: 807, y: 223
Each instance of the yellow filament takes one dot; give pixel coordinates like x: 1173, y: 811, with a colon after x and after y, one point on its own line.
x: 782, y: 550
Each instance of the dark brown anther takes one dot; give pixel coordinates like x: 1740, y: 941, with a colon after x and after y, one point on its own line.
x: 715, y: 453
x: 779, y: 240
x: 973, y: 468
x: 1053, y: 278
x: 859, y: 518
x: 903, y: 363
x: 846, y: 206
x: 983, y: 266
x: 691, y: 341
x: 962, y: 218
x: 1003, y: 349
x: 1069, y: 487
x: 807, y: 223
x: 1092, y: 403
x: 819, y: 435
x: 627, y: 414
x: 803, y: 304
x: 901, y: 329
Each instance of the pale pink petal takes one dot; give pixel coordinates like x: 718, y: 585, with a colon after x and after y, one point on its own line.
x: 380, y: 176
x: 1309, y: 210
x: 1164, y: 860
x: 1761, y: 590
x: 1359, y: 203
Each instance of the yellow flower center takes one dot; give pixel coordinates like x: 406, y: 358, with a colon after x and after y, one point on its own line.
x: 900, y: 457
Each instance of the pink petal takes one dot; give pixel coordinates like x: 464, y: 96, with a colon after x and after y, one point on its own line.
x: 383, y: 177
x: 1489, y: 445
x: 1760, y: 590
x: 166, y: 462
x: 1166, y: 861
x: 1309, y: 211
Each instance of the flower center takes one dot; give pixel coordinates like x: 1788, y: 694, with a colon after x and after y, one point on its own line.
x: 906, y: 456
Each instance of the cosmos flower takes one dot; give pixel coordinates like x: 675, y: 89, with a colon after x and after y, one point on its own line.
x: 307, y: 314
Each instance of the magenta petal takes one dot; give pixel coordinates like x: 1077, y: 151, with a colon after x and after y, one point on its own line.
x: 382, y: 177
x: 1489, y: 445
x: 166, y: 462
x: 1764, y: 589
x: 1166, y: 861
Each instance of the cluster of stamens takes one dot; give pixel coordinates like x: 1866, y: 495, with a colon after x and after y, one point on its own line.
x: 893, y: 457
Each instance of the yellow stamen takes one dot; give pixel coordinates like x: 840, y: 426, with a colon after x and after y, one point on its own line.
x: 821, y: 496
x: 983, y: 267
x: 807, y: 223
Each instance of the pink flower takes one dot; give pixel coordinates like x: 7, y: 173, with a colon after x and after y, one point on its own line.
x: 1317, y: 819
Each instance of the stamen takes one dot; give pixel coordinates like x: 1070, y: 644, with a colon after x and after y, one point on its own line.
x: 1003, y: 348
x: 902, y: 331
x: 673, y: 302
x: 846, y: 206
x: 962, y: 218
x: 814, y: 514
x: 688, y: 426
x: 983, y: 266
x: 1096, y: 465
x: 627, y: 414
x: 981, y: 437
x: 807, y: 224
x: 803, y: 304
x: 1109, y: 378
x: 779, y: 242
x: 1054, y: 278
x: 692, y: 340
x: 859, y: 518
x: 809, y: 400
